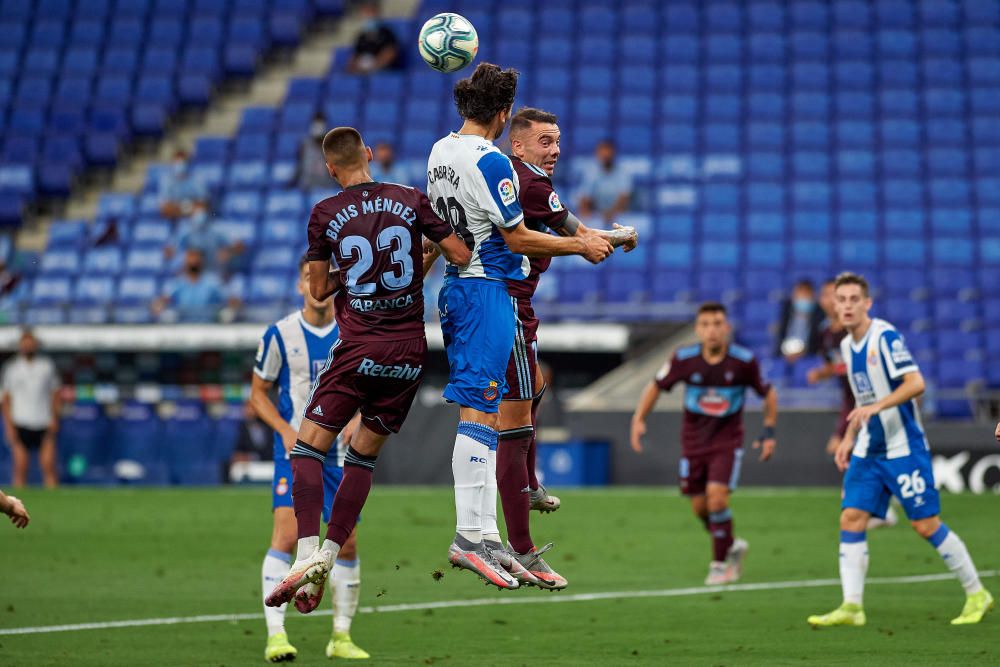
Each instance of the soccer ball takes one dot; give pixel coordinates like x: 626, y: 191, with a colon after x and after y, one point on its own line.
x: 448, y: 42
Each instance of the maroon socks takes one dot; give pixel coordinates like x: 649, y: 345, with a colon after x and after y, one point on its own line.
x: 513, y: 480
x: 351, y: 496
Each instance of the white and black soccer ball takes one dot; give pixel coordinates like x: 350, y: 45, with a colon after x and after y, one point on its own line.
x: 448, y: 42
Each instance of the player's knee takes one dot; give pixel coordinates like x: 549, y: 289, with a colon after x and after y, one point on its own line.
x: 926, y: 527
x: 853, y: 519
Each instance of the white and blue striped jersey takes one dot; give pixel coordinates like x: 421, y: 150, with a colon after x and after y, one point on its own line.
x: 875, y: 368
x: 473, y: 185
x: 291, y: 354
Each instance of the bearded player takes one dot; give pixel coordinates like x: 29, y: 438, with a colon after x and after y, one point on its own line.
x: 534, y: 140
x: 474, y: 185
x: 372, y: 233
x: 717, y: 374
x: 885, y: 453
x: 291, y: 353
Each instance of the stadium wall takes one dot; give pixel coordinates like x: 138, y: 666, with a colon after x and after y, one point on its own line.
x: 966, y: 455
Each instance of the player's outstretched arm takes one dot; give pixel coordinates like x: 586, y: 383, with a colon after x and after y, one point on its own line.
x: 524, y: 241
x: 431, y: 253
x: 646, y: 403
x: 14, y: 508
x: 265, y: 408
x: 618, y: 237
x: 911, y: 387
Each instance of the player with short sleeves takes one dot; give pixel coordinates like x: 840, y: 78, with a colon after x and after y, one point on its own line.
x: 716, y: 374
x: 290, y: 355
x: 365, y: 249
x: 885, y: 453
x: 475, y: 187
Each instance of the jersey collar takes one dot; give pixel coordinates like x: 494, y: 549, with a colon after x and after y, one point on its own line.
x: 860, y: 345
x: 361, y: 186
x: 322, y: 332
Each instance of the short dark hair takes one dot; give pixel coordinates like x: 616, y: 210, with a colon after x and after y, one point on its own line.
x: 525, y: 116
x: 711, y: 307
x: 27, y: 332
x: 805, y: 282
x: 342, y: 146
x: 486, y: 93
x: 848, y: 278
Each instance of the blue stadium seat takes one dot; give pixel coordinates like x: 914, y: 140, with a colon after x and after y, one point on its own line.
x: 187, y: 442
x: 810, y: 164
x: 83, y: 441
x: 136, y: 445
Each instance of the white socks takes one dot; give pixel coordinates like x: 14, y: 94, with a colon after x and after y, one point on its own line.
x: 469, y: 463
x: 275, y: 567
x: 306, y: 547
x: 957, y: 558
x: 490, y: 531
x: 345, y: 588
x: 853, y: 565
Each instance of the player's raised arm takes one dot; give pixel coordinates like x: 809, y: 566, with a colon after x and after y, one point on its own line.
x: 524, y: 241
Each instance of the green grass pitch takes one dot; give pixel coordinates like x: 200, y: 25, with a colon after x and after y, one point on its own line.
x: 93, y: 555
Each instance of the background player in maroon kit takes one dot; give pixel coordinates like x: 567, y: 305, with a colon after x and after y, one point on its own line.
x: 832, y: 333
x: 534, y: 138
x: 716, y: 374
x: 371, y: 232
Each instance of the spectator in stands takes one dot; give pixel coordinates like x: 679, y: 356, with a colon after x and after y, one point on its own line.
x: 312, y: 164
x: 376, y: 47
x: 179, y: 189
x: 31, y: 410
x: 196, y: 295
x: 384, y: 168
x: 800, y: 333
x: 606, y: 190
x: 198, y: 233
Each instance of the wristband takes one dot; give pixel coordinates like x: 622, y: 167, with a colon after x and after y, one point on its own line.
x: 767, y: 433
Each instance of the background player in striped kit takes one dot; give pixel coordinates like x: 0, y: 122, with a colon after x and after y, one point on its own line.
x: 290, y: 355
x: 885, y: 453
x: 717, y: 374
x: 535, y: 139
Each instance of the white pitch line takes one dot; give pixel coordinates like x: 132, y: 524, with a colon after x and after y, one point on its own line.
x: 489, y: 602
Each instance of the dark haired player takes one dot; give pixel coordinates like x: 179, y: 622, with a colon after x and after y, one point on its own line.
x: 372, y: 233
x: 885, y: 453
x: 474, y: 185
x: 534, y: 140
x: 717, y: 374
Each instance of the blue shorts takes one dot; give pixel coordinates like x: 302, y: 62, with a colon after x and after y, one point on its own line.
x: 870, y: 482
x: 477, y: 320
x: 281, y: 485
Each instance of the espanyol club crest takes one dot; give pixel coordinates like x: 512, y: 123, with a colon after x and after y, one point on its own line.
x: 282, y: 487
x: 554, y: 202
x: 505, y: 189
x: 873, y: 358
x: 491, y: 392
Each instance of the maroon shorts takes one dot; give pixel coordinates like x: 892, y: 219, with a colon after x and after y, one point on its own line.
x: 379, y: 378
x: 721, y: 467
x: 523, y: 363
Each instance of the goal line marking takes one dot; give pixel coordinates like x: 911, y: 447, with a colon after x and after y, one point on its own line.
x: 497, y: 601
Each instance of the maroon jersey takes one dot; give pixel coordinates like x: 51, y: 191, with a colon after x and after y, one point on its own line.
x: 372, y: 233
x: 542, y: 211
x: 830, y: 349
x: 713, y: 396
